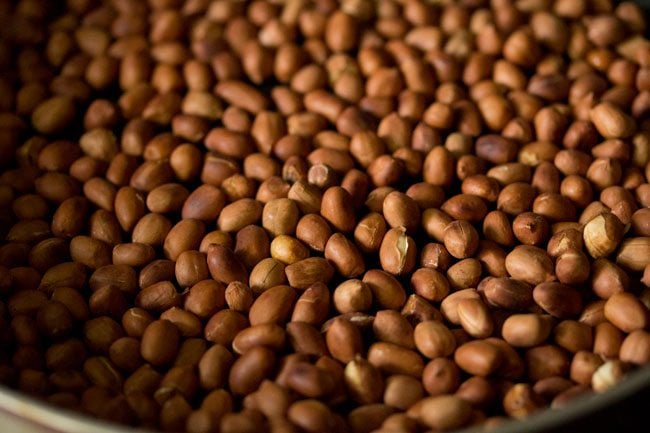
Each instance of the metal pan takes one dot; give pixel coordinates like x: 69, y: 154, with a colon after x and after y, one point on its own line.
x: 623, y: 409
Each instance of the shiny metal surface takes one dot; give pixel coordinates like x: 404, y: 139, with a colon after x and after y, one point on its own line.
x: 22, y: 414
x: 580, y: 411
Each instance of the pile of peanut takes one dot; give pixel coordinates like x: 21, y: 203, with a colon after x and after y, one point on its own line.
x: 388, y: 216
